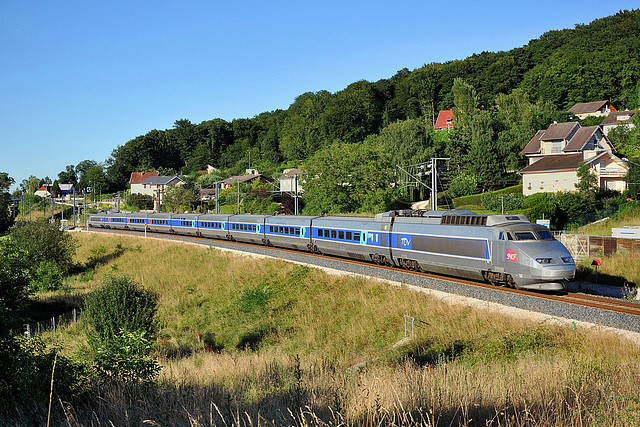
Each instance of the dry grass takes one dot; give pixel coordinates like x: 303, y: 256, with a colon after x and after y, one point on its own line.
x: 293, y: 346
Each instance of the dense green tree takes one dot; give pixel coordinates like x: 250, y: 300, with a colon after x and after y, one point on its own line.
x: 409, y: 142
x: 5, y: 215
x: 45, y: 242
x: 96, y: 179
x: 349, y: 178
x: 68, y: 176
x: 300, y: 134
x: 517, y: 120
x: 179, y: 198
x: 30, y: 185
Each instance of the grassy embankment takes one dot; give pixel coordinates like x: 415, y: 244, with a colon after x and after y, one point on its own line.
x: 256, y: 342
x: 619, y: 268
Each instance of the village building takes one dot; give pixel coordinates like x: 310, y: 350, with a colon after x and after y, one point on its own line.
x: 618, y: 118
x: 43, y: 191
x: 288, y: 181
x: 156, y: 187
x: 135, y: 182
x: 445, y: 120
x: 596, y: 108
x: 556, y: 154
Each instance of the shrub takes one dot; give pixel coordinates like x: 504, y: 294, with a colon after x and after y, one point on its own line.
x: 45, y: 242
x: 463, y: 185
x: 46, y: 277
x: 140, y: 201
x: 120, y: 304
x: 494, y: 201
x: 123, y: 325
x: 542, y: 206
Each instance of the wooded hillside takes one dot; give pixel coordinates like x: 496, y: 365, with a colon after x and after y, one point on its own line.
x: 499, y: 99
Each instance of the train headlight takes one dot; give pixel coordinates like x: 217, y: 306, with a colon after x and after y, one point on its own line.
x: 567, y: 259
x: 544, y: 260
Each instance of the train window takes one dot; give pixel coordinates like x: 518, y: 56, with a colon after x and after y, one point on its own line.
x: 348, y: 235
x: 318, y: 233
x: 297, y: 231
x: 545, y: 235
x: 281, y: 230
x: 509, y: 236
x: 356, y: 237
x: 340, y: 234
x: 524, y: 235
x: 333, y: 234
x: 501, y: 236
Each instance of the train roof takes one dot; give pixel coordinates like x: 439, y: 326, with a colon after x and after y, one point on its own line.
x: 454, y: 217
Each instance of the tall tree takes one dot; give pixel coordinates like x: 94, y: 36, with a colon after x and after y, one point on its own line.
x: 349, y: 178
x: 5, y: 215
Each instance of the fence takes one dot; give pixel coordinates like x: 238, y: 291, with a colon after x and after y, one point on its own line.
x: 52, y: 324
x: 583, y: 246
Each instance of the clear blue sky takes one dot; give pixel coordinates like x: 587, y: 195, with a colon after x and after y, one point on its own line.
x: 78, y: 78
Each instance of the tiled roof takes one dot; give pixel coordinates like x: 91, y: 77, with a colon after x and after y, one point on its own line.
x: 533, y: 147
x: 160, y: 180
x: 618, y: 117
x: 291, y: 173
x: 580, y: 139
x: 560, y: 131
x: 445, y: 119
x: 138, y: 177
x: 555, y: 163
x: 588, y: 107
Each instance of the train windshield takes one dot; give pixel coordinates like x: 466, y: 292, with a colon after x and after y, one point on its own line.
x: 545, y: 235
x: 524, y: 235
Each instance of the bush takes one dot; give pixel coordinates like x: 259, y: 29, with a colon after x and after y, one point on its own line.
x: 140, y: 201
x: 46, y: 277
x: 45, y: 242
x: 542, y: 206
x: 122, y: 319
x: 463, y: 185
x: 494, y: 201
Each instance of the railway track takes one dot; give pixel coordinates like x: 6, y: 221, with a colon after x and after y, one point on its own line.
x: 583, y: 300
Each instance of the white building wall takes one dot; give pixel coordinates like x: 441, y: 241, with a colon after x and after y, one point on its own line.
x: 548, y: 182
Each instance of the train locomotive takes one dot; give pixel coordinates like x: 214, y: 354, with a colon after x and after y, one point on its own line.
x: 505, y: 250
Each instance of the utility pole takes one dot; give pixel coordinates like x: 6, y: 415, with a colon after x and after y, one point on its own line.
x: 434, y: 181
x: 238, y: 211
x: 296, y: 198
x: 217, y: 198
x: 85, y: 209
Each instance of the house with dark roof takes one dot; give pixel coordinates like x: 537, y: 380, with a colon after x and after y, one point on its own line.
x: 556, y: 154
x: 229, y: 182
x: 135, y: 182
x: 618, y: 118
x: 597, y: 108
x: 445, y: 120
x: 156, y: 186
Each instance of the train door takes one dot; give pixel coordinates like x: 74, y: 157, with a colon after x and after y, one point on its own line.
x: 498, y: 252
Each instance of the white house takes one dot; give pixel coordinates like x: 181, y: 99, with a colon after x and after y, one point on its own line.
x: 556, y: 154
x: 596, y: 108
x: 156, y: 186
x: 288, y: 181
x: 618, y: 118
x: 135, y: 182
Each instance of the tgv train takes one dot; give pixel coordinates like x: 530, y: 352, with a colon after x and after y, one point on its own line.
x: 505, y: 250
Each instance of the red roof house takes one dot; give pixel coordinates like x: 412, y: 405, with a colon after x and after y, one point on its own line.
x: 445, y: 120
x: 138, y: 177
